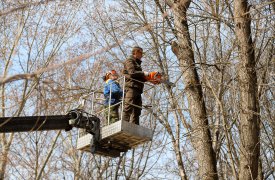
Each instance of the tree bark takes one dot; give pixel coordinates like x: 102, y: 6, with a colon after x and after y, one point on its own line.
x: 201, y: 134
x: 249, y: 104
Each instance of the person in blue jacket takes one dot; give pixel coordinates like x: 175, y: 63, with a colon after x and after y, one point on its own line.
x: 112, y: 94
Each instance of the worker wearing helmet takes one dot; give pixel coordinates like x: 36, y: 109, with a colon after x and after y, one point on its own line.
x: 134, y: 84
x: 112, y: 93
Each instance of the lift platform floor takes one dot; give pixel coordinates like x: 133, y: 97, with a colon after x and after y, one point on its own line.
x: 117, y: 137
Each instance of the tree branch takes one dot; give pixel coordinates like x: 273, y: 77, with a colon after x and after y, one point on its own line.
x: 23, y: 6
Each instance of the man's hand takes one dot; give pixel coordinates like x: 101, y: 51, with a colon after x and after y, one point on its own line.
x: 146, y: 73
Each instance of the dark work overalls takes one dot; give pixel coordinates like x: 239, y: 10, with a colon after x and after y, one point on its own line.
x: 133, y: 89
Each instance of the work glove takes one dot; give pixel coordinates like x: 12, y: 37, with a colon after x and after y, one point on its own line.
x: 146, y: 73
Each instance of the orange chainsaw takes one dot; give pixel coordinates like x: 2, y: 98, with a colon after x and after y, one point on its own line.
x: 157, y: 78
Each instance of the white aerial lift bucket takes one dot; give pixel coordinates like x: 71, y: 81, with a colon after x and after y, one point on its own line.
x: 116, y: 137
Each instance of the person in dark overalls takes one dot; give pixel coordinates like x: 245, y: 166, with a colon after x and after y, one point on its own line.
x: 134, y: 84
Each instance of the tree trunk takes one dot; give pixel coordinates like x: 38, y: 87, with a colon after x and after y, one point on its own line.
x: 201, y: 134
x: 249, y: 104
x: 4, y: 153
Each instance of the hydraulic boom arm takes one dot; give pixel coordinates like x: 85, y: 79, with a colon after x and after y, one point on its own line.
x: 75, y: 118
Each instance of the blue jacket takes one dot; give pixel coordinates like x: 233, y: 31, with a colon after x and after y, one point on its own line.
x: 116, y: 92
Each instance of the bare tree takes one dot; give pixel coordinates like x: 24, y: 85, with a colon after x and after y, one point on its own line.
x: 249, y: 102
x: 36, y: 44
x: 183, y: 50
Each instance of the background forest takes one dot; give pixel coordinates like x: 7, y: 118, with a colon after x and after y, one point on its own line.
x: 217, y: 123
